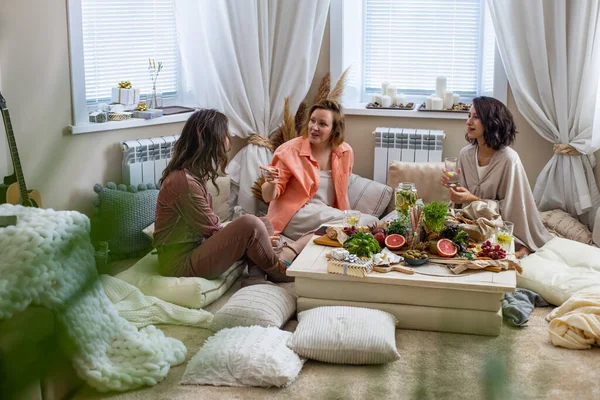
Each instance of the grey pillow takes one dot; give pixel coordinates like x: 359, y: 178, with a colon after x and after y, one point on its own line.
x: 120, y: 214
x: 368, y: 196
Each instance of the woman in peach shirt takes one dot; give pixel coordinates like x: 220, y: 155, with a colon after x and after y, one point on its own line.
x: 307, y: 182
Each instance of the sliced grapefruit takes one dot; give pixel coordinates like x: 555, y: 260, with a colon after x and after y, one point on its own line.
x: 395, y: 241
x: 445, y: 248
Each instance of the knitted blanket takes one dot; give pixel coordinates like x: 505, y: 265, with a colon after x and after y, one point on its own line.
x: 47, y: 259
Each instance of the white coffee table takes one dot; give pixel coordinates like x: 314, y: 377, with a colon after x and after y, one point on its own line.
x: 466, y: 303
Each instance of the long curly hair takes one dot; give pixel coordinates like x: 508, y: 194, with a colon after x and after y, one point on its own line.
x: 339, y: 121
x: 499, y: 128
x: 202, y: 146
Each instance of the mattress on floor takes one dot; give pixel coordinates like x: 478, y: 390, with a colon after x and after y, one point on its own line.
x: 395, y: 294
x: 186, y: 292
x: 424, y: 318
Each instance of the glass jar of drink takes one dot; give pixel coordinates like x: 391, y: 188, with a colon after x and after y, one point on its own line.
x: 406, y: 197
x: 504, y: 236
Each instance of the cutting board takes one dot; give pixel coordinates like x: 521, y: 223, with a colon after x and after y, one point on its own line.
x: 325, y: 241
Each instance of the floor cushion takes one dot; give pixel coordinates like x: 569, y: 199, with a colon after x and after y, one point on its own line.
x: 561, y: 268
x: 244, y: 356
x: 186, y: 292
x: 564, y: 225
x: 425, y: 175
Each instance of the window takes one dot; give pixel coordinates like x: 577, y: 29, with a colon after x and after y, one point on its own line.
x: 409, y: 43
x: 112, y: 40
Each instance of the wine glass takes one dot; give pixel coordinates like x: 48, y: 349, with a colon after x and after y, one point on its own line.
x: 452, y: 171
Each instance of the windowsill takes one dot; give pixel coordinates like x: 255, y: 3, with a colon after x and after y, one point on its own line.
x: 360, y: 109
x: 130, y: 123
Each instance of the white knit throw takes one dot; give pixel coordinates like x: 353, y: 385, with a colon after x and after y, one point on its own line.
x: 47, y: 259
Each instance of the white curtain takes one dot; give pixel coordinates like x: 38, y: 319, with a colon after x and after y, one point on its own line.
x: 243, y: 57
x: 551, y: 53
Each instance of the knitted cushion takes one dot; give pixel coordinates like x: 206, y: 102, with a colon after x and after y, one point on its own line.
x: 120, y: 215
x: 563, y: 225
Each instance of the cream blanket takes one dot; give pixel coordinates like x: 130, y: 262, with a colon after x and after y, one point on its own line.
x: 576, y: 324
x: 47, y: 259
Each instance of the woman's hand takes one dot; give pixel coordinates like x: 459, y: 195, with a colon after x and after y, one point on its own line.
x: 271, y: 174
x: 460, y: 195
x: 445, y: 177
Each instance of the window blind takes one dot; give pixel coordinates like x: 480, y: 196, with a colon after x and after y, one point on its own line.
x: 409, y: 43
x: 118, y: 38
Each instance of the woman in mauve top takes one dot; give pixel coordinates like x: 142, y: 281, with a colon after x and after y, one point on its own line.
x: 188, y: 236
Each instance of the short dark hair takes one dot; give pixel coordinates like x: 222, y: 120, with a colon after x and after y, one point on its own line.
x: 498, y: 124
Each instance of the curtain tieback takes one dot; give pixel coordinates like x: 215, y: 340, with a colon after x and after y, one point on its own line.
x: 566, y: 149
x: 260, y: 140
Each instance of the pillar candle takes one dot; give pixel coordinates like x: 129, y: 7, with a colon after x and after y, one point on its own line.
x: 448, y: 99
x: 456, y: 99
x: 401, y: 99
x: 384, y: 88
x: 440, y: 86
x: 429, y: 103
x: 378, y: 99
x: 391, y: 91
x: 373, y: 98
x: 437, y: 103
x: 386, y: 101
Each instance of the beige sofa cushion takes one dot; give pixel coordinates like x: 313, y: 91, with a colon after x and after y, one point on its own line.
x: 562, y: 224
x: 368, y: 196
x: 425, y: 176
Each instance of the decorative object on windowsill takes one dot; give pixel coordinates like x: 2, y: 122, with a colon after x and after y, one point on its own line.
x: 171, y: 110
x: 126, y: 95
x: 98, y: 116
x: 456, y: 108
x: 119, y: 116
x: 149, y: 113
x: 402, y: 106
x: 142, y: 106
x: 155, y: 99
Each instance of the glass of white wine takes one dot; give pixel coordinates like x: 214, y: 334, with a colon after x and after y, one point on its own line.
x: 351, y: 218
x: 504, y: 235
x: 452, y: 171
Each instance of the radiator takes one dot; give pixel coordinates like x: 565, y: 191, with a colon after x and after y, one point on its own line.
x: 144, y: 160
x: 403, y: 144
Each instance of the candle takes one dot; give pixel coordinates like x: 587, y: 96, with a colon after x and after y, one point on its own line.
x: 384, y: 88
x: 429, y: 103
x: 386, y: 101
x: 456, y: 99
x: 440, y: 86
x: 374, y: 98
x: 402, y: 99
x: 378, y: 99
x: 437, y: 103
x: 391, y: 91
x: 448, y: 99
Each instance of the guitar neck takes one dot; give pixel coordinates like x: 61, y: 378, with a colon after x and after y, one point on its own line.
x: 12, y: 145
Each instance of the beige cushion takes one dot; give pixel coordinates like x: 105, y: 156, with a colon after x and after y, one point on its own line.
x: 262, y: 305
x: 562, y: 224
x: 186, y: 292
x: 368, y: 196
x: 561, y: 268
x: 221, y: 200
x: 425, y: 176
x: 425, y: 318
x: 346, y: 335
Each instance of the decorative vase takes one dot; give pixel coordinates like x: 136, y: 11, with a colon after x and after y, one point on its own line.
x: 154, y: 99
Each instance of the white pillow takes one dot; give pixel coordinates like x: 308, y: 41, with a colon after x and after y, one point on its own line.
x: 561, y: 268
x: 186, y: 292
x: 149, y: 231
x: 262, y: 305
x: 346, y: 335
x: 244, y: 356
x: 368, y: 196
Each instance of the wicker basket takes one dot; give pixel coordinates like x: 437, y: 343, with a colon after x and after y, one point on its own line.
x: 359, y: 269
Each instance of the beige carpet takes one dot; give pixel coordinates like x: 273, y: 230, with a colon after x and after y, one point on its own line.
x: 518, y: 364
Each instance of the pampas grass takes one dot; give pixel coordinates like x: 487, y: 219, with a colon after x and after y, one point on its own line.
x: 288, y: 127
x: 324, y: 87
x: 257, y: 188
x: 338, y: 90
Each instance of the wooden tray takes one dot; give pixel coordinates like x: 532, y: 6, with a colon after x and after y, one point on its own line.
x: 372, y: 107
x: 422, y: 108
x: 171, y: 110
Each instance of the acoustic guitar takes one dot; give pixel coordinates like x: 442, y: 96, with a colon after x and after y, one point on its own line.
x: 14, y: 190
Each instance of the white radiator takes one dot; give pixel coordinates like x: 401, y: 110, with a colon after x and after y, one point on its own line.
x: 144, y: 160
x: 404, y: 144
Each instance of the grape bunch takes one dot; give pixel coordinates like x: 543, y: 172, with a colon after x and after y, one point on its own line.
x: 494, y: 252
x: 350, y: 230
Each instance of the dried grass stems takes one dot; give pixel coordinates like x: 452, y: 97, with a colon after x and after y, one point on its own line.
x: 257, y: 188
x: 416, y: 218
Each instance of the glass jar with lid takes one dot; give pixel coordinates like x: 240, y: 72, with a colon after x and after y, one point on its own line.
x: 406, y: 197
